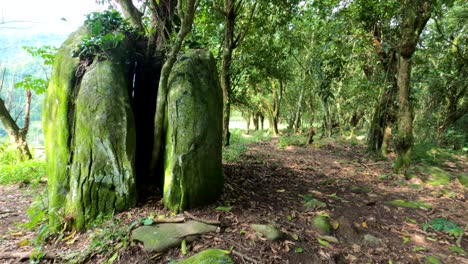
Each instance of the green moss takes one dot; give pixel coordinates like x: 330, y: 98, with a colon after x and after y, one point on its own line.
x: 435, y: 175
x: 102, y: 170
x: 463, y: 179
x: 322, y: 225
x: 192, y: 157
x: 209, y: 256
x: 56, y: 123
x: 409, y: 204
x: 432, y: 260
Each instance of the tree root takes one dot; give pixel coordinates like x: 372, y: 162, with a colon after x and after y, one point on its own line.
x: 244, y: 257
x: 205, y: 221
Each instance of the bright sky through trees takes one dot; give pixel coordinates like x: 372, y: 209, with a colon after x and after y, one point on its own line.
x: 48, y: 16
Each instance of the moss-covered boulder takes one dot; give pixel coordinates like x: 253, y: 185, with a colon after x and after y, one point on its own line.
x: 164, y: 236
x: 89, y: 138
x: 193, y: 173
x: 209, y: 256
x: 103, y: 148
x: 57, y: 123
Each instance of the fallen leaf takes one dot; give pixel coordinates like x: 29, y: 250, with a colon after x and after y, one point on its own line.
x: 281, y: 190
x: 364, y: 225
x: 295, y: 236
x: 331, y: 239
x: 335, y: 224
x: 23, y: 243
x: 298, y: 250
x: 323, y: 242
x: 224, y: 208
x: 183, y: 247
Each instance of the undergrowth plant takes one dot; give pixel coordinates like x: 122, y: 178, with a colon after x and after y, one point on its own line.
x: 239, y: 143
x: 292, y: 140
x: 106, y: 31
x: 444, y: 225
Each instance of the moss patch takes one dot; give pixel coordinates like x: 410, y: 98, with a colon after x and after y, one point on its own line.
x: 463, y: 179
x: 322, y: 225
x: 435, y: 176
x: 209, y: 256
x: 193, y: 173
x: 409, y: 204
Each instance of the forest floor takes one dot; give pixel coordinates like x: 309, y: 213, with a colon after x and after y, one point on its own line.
x: 272, y: 185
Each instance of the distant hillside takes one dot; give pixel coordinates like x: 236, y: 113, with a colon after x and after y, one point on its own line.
x: 11, y: 52
x: 18, y: 63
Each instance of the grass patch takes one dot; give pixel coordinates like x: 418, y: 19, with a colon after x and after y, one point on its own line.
x: 433, y: 155
x: 292, y: 140
x: 434, y: 175
x: 28, y: 171
x: 240, y: 141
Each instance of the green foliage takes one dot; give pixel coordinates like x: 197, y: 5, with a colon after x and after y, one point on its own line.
x: 432, y: 154
x: 27, y: 171
x: 444, y: 225
x: 292, y: 140
x: 106, y: 31
x: 239, y: 143
x: 46, y: 53
x: 30, y: 82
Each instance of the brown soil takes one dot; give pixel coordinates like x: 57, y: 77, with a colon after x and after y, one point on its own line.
x: 267, y: 186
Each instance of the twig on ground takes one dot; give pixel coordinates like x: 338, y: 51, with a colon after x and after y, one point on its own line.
x: 460, y: 238
x: 203, y: 220
x: 24, y: 255
x: 7, y: 211
x: 244, y: 257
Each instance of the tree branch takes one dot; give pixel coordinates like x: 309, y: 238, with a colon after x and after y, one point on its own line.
x: 243, y: 33
x: 186, y: 27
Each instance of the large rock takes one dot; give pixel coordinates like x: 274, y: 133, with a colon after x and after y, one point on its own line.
x: 193, y: 173
x: 57, y: 123
x: 164, y: 236
x: 89, y: 138
x: 102, y: 166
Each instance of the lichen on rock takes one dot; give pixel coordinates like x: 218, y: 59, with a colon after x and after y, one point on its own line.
x: 193, y: 133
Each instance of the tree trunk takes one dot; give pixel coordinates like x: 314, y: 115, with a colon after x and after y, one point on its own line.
x: 384, y: 113
x: 255, y: 120
x: 297, y: 114
x: 186, y: 27
x: 228, y: 47
x: 17, y: 135
x: 405, y: 117
x: 262, y: 121
x: 247, y: 121
x: 416, y: 13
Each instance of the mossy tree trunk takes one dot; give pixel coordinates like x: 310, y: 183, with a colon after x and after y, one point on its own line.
x: 416, y: 13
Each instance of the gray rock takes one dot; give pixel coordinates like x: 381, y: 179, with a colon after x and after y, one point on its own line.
x: 193, y: 173
x: 372, y: 240
x: 268, y: 231
x: 164, y: 236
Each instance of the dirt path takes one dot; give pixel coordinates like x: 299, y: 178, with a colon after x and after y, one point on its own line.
x: 270, y: 186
